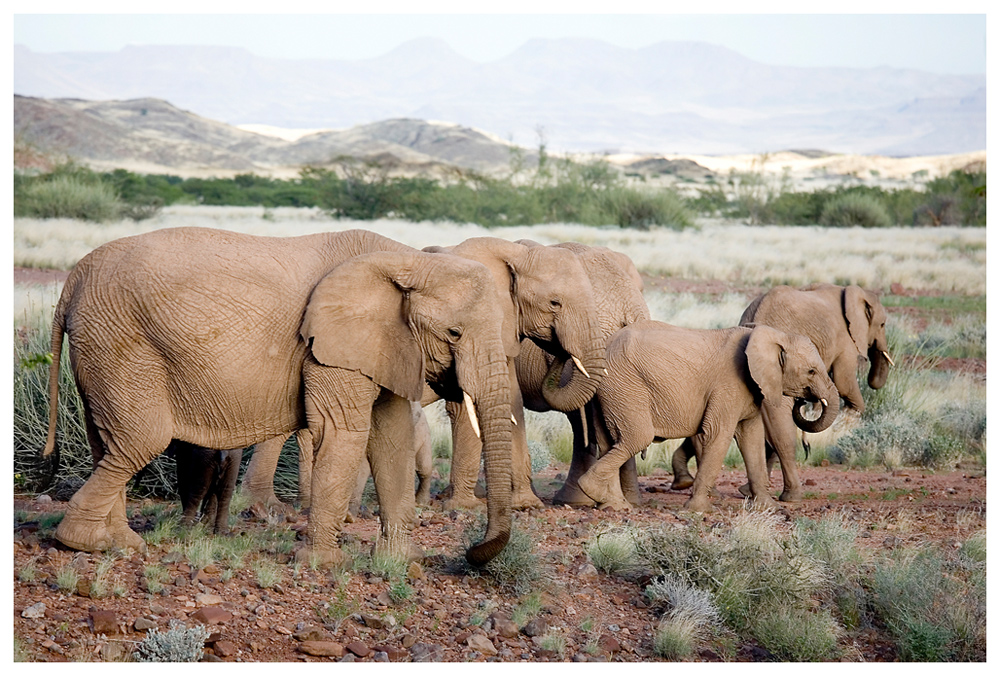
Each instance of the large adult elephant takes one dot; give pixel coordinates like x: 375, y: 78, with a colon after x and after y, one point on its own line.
x: 617, y: 287
x: 847, y: 324
x: 667, y: 382
x: 546, y: 298
x: 223, y: 340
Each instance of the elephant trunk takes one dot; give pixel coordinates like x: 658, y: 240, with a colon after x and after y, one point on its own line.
x: 830, y: 410
x: 577, y: 370
x: 879, y: 370
x: 491, y: 397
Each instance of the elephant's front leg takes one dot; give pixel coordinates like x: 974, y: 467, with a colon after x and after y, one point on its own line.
x: 750, y: 439
x: 583, y: 459
x: 258, y: 482
x: 393, y: 463
x: 783, y: 435
x: 338, y: 410
x: 466, y: 457
x: 713, y: 452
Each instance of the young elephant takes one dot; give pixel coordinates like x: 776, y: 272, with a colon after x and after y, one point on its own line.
x: 666, y: 382
x: 206, y: 478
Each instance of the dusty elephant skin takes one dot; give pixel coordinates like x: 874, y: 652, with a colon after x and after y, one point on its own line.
x: 206, y: 479
x: 546, y: 297
x: 617, y: 288
x: 846, y: 324
x: 224, y: 340
x: 667, y: 382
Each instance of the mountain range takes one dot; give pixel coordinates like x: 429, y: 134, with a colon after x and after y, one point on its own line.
x: 576, y: 94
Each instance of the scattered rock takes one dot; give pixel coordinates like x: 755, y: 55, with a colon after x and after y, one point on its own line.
x: 310, y: 634
x: 426, y: 652
x: 415, y: 572
x: 482, y: 644
x: 393, y: 653
x: 224, y: 648
x: 374, y: 622
x: 103, y: 622
x: 208, y: 599
x: 52, y: 646
x: 408, y: 640
x: 43, y: 500
x: 384, y: 599
x: 143, y: 624
x: 83, y: 587
x: 210, y: 615
x: 380, y: 656
x: 587, y: 572
x: 536, y: 627
x: 505, y: 628
x: 349, y: 657
x: 609, y: 643
x: 358, y: 648
x: 34, y: 612
x: 321, y: 648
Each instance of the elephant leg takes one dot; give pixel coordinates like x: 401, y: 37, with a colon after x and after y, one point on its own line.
x: 227, y: 486
x: 258, y: 482
x: 423, y: 457
x: 602, y: 481
x: 194, y: 470
x: 359, y: 490
x: 750, y: 439
x: 466, y: 457
x: 782, y: 433
x: 523, y: 494
x: 393, y: 465
x: 338, y: 405
x: 583, y: 459
x: 679, y: 465
x: 713, y: 453
x: 304, y: 439
x: 628, y: 478
x: 771, y: 457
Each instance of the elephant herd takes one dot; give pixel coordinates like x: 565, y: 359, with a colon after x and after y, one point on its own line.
x: 201, y: 340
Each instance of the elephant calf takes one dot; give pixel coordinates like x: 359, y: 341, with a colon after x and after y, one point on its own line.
x: 206, y: 478
x: 666, y: 382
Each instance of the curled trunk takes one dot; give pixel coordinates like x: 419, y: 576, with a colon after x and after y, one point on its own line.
x: 565, y: 387
x: 825, y: 419
x: 879, y: 370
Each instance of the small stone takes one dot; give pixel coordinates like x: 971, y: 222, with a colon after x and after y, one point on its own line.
x: 83, y: 587
x: 143, y: 624
x: 384, y: 599
x: 208, y: 599
x: 321, y: 648
x: 587, y: 572
x: 393, y: 653
x: 426, y: 652
x: 224, y: 648
x: 43, y: 500
x: 113, y: 652
x: 408, y: 640
x: 380, y: 656
x: 282, y: 629
x: 210, y: 615
x: 103, y: 622
x: 349, y: 657
x: 505, y: 628
x: 536, y: 627
x: 34, y: 612
x: 608, y: 643
x: 358, y: 648
x: 373, y: 622
x: 415, y: 572
x: 310, y: 634
x: 157, y: 609
x: 482, y: 644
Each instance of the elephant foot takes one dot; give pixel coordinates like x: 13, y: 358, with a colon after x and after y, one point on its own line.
x: 616, y: 506
x: 595, y: 488
x: 681, y: 483
x: 525, y: 499
x: 745, y: 490
x: 570, y: 494
x: 408, y: 549
x: 462, y: 502
x: 698, y: 503
x: 423, y: 497
x: 322, y: 558
x: 764, y: 503
x: 126, y: 538
x: 85, y: 536
x: 791, y: 495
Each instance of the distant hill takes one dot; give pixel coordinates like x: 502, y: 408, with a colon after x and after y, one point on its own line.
x: 152, y: 136
x: 587, y: 95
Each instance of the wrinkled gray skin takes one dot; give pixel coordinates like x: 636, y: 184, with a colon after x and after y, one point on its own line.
x: 206, y: 479
x: 847, y: 325
x: 667, y: 382
x: 617, y: 289
x: 546, y: 297
x: 225, y: 340
x: 423, y: 455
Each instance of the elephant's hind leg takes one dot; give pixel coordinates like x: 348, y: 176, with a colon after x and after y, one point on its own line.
x: 393, y: 465
x: 679, y: 465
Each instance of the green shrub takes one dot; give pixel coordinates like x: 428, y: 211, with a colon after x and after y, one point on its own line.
x: 852, y: 210
x: 641, y: 209
x: 177, y: 644
x: 516, y: 569
x: 613, y: 550
x: 797, y: 635
x: 68, y: 197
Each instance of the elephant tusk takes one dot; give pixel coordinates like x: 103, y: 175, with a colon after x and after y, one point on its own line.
x: 471, y: 410
x: 888, y: 358
x: 583, y: 424
x: 579, y: 365
x: 823, y: 401
x: 513, y: 419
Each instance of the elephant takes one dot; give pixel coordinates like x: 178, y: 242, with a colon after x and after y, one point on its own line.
x: 666, y: 382
x: 423, y: 456
x: 847, y: 324
x: 617, y: 287
x: 546, y: 298
x: 206, y: 479
x: 224, y: 340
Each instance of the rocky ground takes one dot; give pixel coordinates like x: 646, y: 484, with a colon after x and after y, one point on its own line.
x: 450, y: 616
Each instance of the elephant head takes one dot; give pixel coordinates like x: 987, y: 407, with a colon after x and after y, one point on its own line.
x: 865, y: 318
x: 789, y: 365
x: 401, y: 318
x: 551, y: 302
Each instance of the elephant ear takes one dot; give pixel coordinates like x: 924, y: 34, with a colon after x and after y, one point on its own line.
x: 858, y: 314
x: 357, y: 319
x: 766, y: 360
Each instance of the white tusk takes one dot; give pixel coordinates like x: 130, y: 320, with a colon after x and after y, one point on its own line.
x: 583, y: 424
x: 471, y: 410
x: 579, y: 365
x: 823, y: 401
x: 513, y: 419
x: 888, y: 358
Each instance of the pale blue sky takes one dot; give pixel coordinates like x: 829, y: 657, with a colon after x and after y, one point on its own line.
x: 941, y: 43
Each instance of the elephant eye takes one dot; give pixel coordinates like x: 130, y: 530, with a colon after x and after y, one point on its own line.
x: 555, y: 304
x: 455, y: 332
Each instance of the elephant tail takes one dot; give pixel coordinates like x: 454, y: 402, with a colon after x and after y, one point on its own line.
x: 58, y: 329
